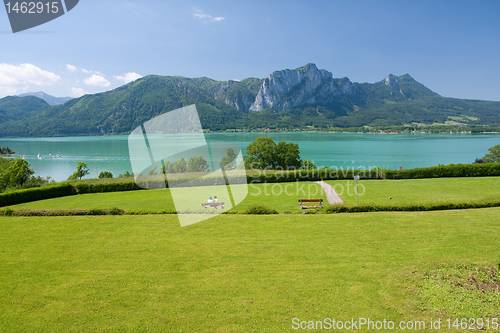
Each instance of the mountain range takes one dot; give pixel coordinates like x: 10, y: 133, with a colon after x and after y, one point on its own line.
x: 51, y: 100
x: 299, y: 98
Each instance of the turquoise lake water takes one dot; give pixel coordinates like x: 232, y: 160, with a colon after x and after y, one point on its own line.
x: 341, y: 150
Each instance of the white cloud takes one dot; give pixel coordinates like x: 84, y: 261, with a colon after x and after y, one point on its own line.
x: 128, y: 77
x: 199, y: 14
x: 71, y: 68
x: 18, y: 77
x: 77, y: 92
x: 86, y: 71
x: 97, y: 80
x: 12, y: 75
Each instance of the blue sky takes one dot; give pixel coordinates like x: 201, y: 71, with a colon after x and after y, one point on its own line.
x: 452, y: 47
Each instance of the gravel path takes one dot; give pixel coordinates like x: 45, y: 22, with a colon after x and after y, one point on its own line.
x: 332, y: 196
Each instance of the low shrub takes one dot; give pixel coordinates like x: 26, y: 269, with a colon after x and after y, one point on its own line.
x: 116, y: 211
x: 62, y: 212
x: 45, y: 212
x: 260, y: 209
x: 143, y: 212
x: 7, y: 211
x: 96, y: 211
x: 408, y: 207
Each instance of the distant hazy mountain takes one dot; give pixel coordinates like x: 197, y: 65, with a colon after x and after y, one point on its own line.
x: 297, y: 98
x: 51, y: 100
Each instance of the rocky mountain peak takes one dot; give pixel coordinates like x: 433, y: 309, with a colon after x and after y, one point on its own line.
x: 391, y: 80
x: 306, y: 85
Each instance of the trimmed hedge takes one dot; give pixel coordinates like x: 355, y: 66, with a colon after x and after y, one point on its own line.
x: 62, y: 212
x: 82, y: 188
x: 408, y: 207
x: 259, y: 209
x: 451, y: 170
x: 312, y: 175
x: 34, y: 194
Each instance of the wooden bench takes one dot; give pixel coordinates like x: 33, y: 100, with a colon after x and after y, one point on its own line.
x: 215, y: 205
x: 301, y: 201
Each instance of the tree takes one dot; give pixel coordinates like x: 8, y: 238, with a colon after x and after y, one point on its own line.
x: 286, y: 156
x: 265, y: 154
x: 6, y: 151
x: 228, y: 162
x: 167, y: 167
x: 493, y: 156
x: 126, y: 174
x: 260, y: 154
x: 197, y: 164
x: 180, y: 166
x: 81, y: 171
x: 307, y: 165
x: 18, y: 173
x: 105, y: 174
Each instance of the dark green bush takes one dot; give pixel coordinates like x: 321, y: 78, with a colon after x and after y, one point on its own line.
x: 82, y: 188
x: 116, y: 211
x: 260, y: 209
x: 96, y: 211
x: 34, y: 194
x: 7, y: 211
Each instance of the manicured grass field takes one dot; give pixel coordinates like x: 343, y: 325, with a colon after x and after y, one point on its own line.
x: 418, y: 190
x: 284, y: 196
x: 237, y: 273
x: 147, y: 200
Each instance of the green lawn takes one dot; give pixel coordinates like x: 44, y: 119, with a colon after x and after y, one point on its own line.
x: 284, y: 196
x: 147, y: 200
x: 237, y: 273
x: 418, y: 190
